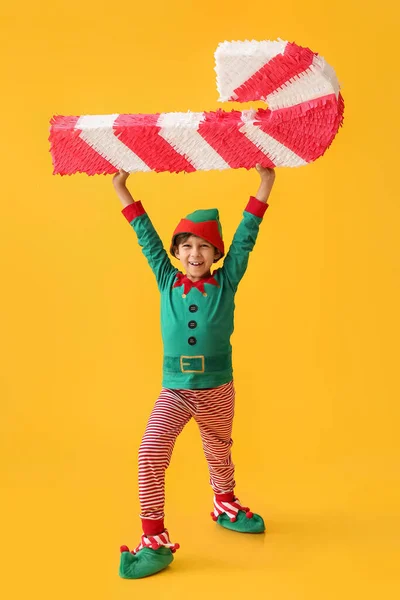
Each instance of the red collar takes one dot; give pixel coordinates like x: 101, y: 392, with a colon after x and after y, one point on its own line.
x: 188, y: 284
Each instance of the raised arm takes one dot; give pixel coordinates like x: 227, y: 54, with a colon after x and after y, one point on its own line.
x: 148, y: 238
x: 236, y: 261
x: 267, y: 177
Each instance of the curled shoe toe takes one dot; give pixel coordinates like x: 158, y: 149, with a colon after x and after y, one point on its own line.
x: 144, y: 563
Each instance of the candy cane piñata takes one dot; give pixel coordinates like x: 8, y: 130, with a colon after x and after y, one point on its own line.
x: 305, y: 111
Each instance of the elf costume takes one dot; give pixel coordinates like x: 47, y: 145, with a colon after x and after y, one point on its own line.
x: 196, y: 323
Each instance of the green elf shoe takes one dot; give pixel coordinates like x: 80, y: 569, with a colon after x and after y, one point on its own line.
x: 234, y: 516
x: 146, y: 562
x: 242, y: 524
x: 154, y: 554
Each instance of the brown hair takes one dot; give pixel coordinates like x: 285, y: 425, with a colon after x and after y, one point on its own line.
x: 181, y: 238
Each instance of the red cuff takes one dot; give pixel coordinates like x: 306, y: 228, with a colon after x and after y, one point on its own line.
x: 132, y: 211
x: 153, y: 526
x: 228, y: 497
x: 256, y: 207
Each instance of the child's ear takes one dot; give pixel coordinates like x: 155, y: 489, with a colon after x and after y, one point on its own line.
x: 175, y: 251
x: 217, y: 255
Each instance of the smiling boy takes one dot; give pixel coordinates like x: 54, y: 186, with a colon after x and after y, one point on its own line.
x: 197, y: 321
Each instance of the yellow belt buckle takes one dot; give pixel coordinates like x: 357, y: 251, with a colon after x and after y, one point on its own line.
x: 184, y: 363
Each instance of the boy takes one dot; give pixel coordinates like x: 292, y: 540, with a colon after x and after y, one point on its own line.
x: 197, y: 312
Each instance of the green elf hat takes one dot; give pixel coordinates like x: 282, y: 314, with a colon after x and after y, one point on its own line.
x: 204, y: 224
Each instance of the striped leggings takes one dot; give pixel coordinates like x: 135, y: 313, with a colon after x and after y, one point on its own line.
x: 213, y: 410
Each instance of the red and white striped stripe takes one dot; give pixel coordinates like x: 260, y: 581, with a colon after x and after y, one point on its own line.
x: 305, y: 111
x: 231, y: 509
x: 213, y: 410
x: 155, y: 542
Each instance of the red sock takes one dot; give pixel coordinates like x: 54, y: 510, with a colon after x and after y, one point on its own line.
x: 152, y: 527
x: 229, y: 497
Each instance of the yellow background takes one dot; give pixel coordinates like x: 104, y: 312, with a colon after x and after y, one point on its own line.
x: 317, y: 327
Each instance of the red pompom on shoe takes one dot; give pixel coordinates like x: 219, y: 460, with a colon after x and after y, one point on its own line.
x: 249, y: 514
x: 214, y: 518
x: 124, y: 549
x: 233, y: 520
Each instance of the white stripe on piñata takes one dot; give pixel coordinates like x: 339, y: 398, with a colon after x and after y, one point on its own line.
x: 97, y: 132
x: 277, y: 152
x: 180, y: 131
x: 236, y: 62
x: 318, y: 80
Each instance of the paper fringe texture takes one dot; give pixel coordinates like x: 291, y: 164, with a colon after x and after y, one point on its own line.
x: 305, y: 111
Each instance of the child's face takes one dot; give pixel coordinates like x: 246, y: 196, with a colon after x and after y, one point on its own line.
x: 197, y: 256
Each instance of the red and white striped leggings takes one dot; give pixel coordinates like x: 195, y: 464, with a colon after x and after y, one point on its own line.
x: 213, y: 410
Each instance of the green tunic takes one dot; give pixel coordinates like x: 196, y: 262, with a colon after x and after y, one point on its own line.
x: 196, y: 329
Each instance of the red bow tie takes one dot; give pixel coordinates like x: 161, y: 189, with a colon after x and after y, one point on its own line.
x: 188, y: 284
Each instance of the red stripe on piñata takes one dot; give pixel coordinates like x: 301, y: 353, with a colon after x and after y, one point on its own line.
x: 71, y: 154
x: 307, y: 129
x: 221, y: 131
x: 140, y: 134
x: 275, y: 73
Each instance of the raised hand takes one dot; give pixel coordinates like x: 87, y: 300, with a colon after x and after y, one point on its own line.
x: 267, y: 176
